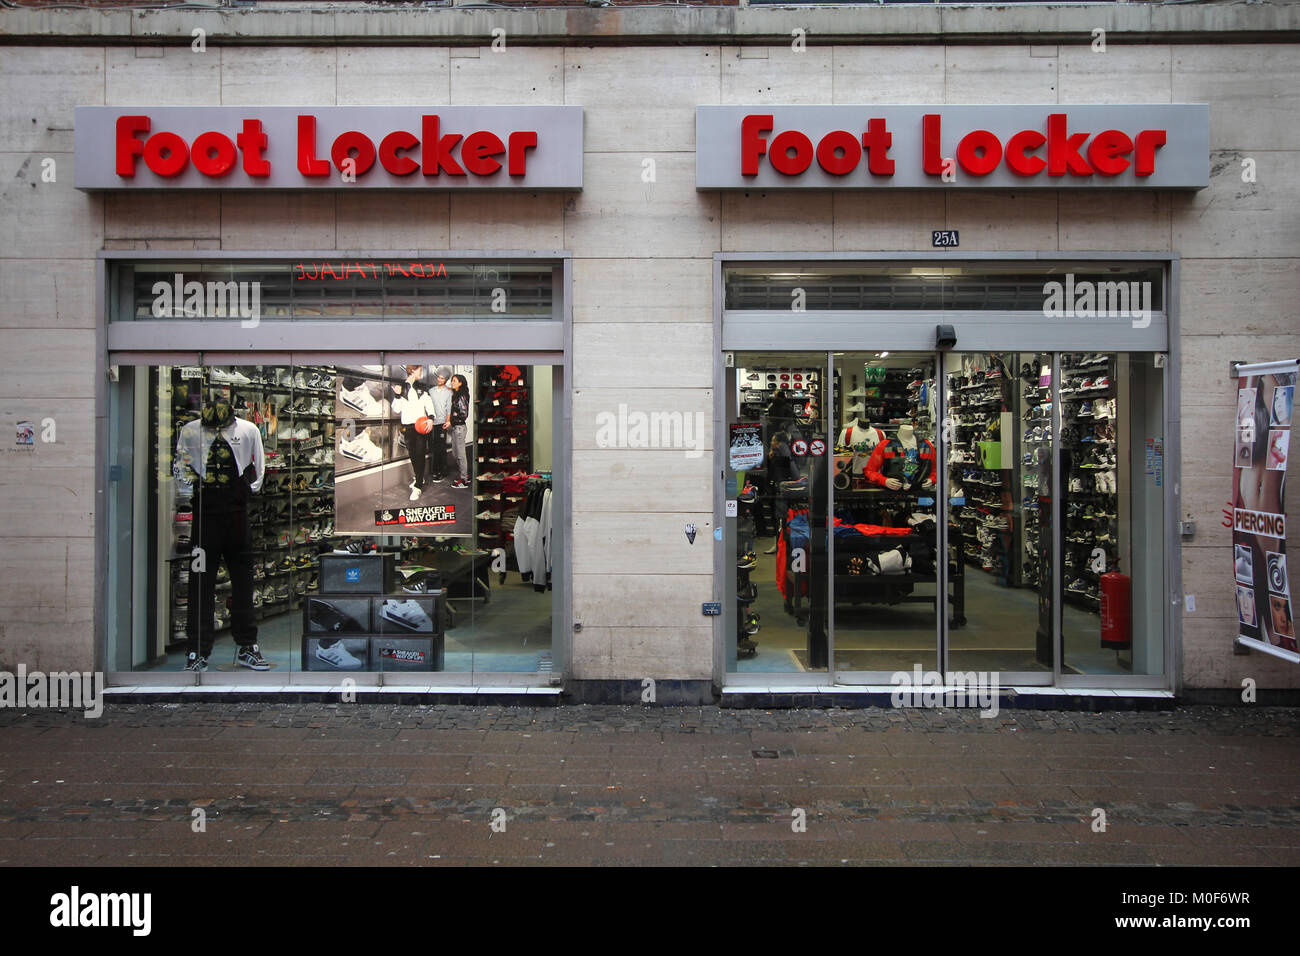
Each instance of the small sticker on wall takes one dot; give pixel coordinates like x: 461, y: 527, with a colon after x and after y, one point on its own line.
x: 731, y: 508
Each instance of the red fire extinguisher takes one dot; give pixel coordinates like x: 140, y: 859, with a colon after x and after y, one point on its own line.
x: 1116, y: 611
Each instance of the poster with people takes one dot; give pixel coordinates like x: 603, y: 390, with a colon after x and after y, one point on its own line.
x: 403, y: 447
x: 1261, y: 445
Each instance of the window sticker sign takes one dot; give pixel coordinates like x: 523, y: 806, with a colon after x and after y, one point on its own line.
x: 746, y: 449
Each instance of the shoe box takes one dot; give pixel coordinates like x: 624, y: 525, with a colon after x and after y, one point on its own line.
x: 334, y: 614
x: 357, y: 573
x: 387, y: 621
x: 373, y: 630
x: 393, y: 653
x: 357, y: 647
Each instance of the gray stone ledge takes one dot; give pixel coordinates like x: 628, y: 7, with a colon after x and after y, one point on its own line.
x: 1276, y: 21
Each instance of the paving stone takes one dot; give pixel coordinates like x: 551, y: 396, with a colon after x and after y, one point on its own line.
x: 605, y: 785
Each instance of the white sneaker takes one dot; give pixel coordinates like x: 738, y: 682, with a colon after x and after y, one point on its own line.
x: 362, y: 401
x: 415, y: 494
x: 408, y: 614
x: 336, y: 655
x: 232, y: 377
x: 362, y: 449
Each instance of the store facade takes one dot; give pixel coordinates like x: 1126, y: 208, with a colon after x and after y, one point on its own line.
x: 639, y: 311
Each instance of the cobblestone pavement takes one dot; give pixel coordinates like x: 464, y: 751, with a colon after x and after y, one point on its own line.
x: 344, y: 784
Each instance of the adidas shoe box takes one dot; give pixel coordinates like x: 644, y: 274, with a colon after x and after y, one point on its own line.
x: 356, y: 573
x: 335, y: 616
x: 397, y: 614
x: 393, y: 653
x: 320, y: 653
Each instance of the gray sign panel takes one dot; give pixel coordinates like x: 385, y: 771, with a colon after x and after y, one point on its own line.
x: 966, y: 147
x: 329, y: 147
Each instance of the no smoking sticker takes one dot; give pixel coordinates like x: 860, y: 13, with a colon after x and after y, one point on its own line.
x: 817, y: 448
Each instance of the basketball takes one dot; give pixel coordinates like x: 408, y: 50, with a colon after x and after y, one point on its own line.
x: 424, y: 424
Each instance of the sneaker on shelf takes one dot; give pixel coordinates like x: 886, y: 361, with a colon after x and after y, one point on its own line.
x: 231, y: 377
x: 336, y: 655
x: 251, y: 657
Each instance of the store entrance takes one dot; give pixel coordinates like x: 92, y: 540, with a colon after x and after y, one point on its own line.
x: 960, y: 512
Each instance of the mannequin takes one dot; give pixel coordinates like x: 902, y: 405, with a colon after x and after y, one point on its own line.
x: 221, y: 457
x: 862, y: 438
x: 903, y: 463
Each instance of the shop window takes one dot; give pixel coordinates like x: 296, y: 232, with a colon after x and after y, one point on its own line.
x: 342, y: 518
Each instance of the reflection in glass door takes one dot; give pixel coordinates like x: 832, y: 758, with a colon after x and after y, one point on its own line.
x: 886, y: 586
x: 999, y: 453
x: 776, y: 414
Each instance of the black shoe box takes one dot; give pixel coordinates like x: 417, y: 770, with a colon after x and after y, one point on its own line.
x: 336, y: 615
x: 430, y: 603
x: 392, y: 653
x: 358, y: 647
x: 356, y: 573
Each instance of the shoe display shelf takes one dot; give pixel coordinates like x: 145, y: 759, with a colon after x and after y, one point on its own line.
x: 503, y: 446
x: 361, y: 622
x: 883, y: 399
x: 799, y: 384
x: 293, y: 511
x: 1035, y: 481
x: 1090, y: 470
x: 977, y: 397
x: 747, y: 619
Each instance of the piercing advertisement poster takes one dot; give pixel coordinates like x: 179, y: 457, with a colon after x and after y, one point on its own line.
x: 403, y: 449
x: 1261, y: 449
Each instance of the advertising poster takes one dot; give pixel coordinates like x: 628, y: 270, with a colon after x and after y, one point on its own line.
x: 746, y: 451
x: 1261, y: 446
x: 403, y: 449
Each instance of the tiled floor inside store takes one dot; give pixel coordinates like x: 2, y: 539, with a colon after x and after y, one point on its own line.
x: 511, y: 633
x: 995, y: 636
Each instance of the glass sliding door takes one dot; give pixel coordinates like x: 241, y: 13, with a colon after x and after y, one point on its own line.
x: 1112, y: 476
x: 886, y: 588
x: 777, y: 444
x: 999, y: 454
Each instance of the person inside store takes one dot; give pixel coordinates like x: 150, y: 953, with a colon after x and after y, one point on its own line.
x: 780, y: 413
x: 782, y: 472
x: 778, y: 418
x: 221, y: 458
x: 440, y: 397
x: 456, y: 428
x: 415, y: 406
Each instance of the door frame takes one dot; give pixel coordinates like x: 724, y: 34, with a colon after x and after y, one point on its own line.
x: 914, y: 334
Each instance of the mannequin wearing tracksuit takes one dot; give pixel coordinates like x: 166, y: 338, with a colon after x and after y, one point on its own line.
x: 221, y: 456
